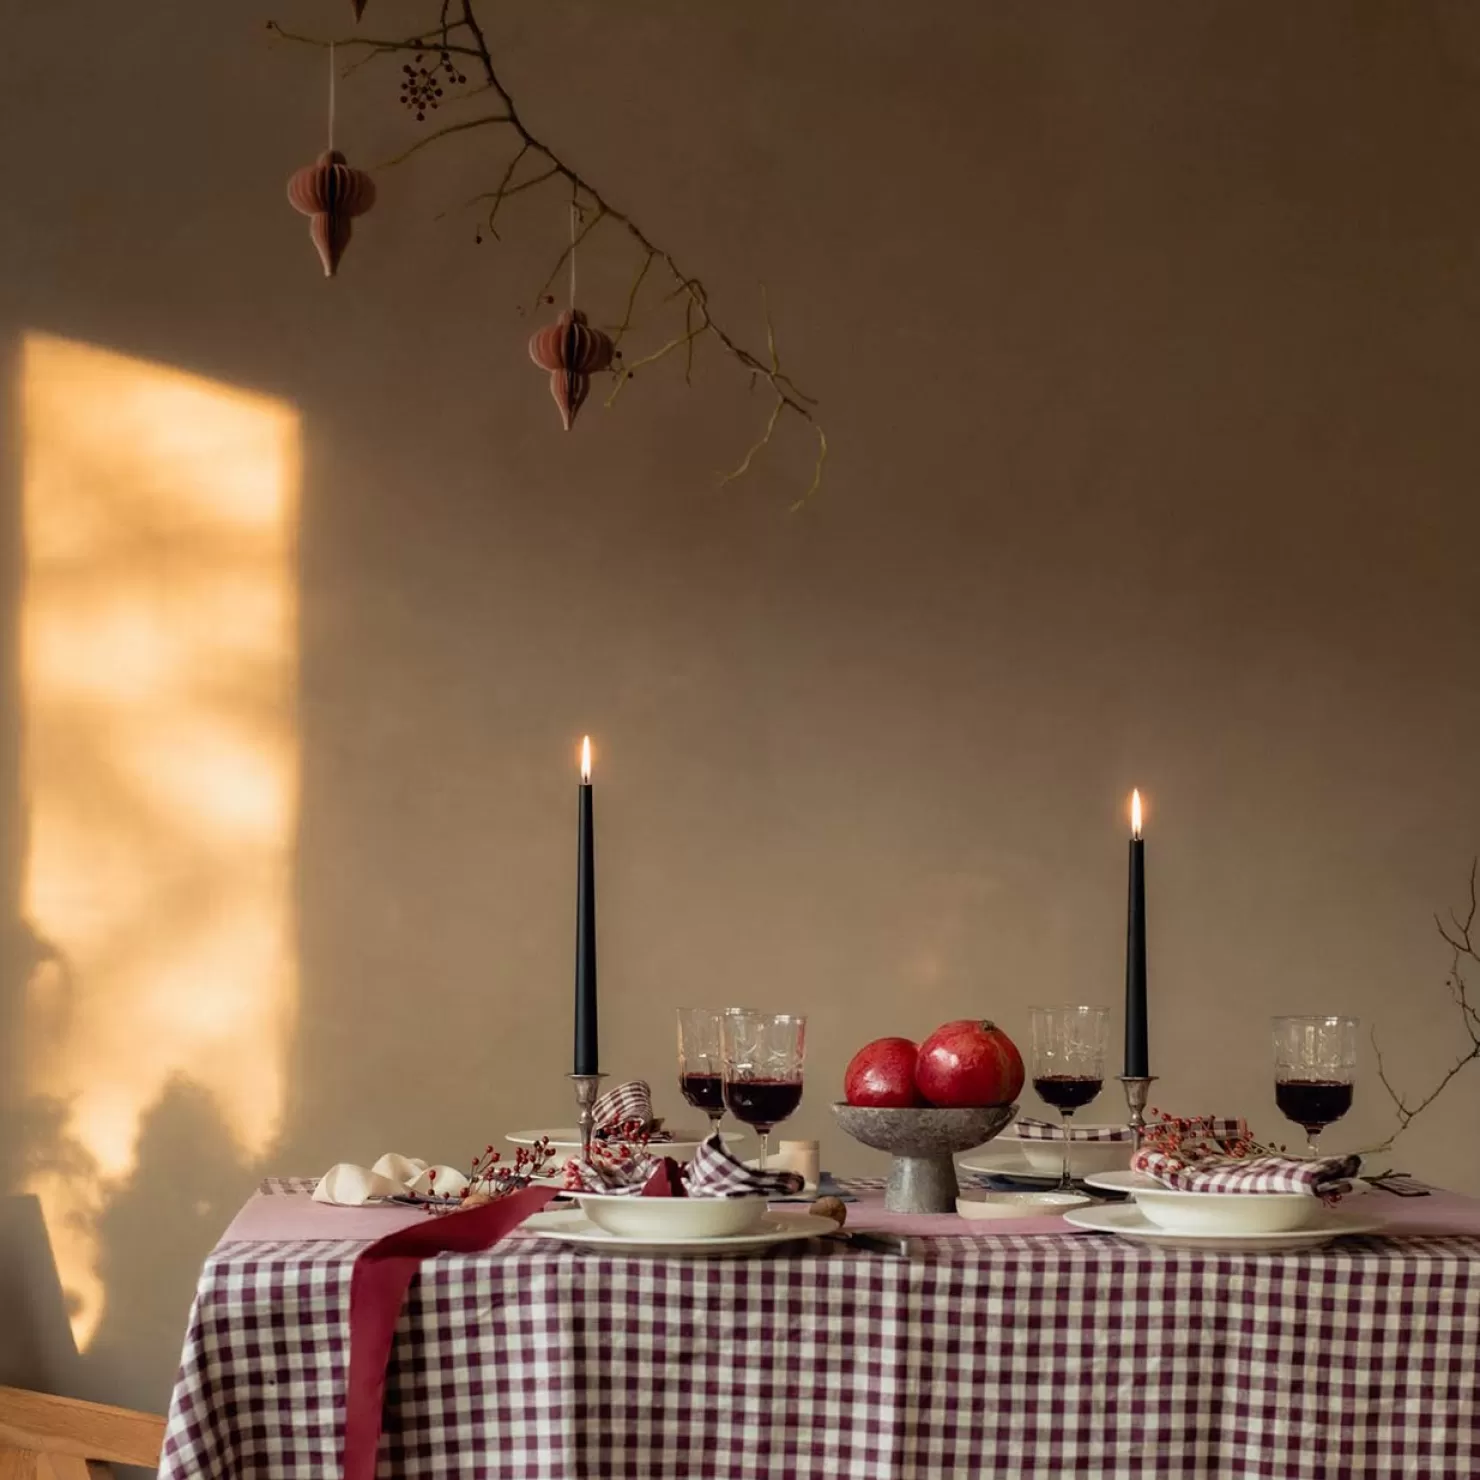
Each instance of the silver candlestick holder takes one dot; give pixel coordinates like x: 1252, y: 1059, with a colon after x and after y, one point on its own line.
x: 588, y: 1090
x: 1137, y: 1088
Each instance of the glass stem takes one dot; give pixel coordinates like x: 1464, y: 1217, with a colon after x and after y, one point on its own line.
x: 1312, y: 1137
x: 1065, y: 1182
x: 765, y: 1145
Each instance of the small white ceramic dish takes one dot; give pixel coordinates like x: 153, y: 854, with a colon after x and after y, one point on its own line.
x: 1129, y: 1221
x: 673, y: 1217
x: 1216, y: 1212
x: 573, y: 1227
x: 989, y: 1205
x: 684, y: 1144
x: 1044, y: 1158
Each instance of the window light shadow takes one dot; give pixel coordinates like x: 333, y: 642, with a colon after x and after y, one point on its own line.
x: 159, y: 763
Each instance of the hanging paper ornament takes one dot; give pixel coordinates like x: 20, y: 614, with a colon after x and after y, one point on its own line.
x: 330, y: 192
x: 572, y: 351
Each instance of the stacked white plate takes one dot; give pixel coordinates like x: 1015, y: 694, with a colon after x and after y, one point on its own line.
x: 1011, y: 1155
x: 1250, y: 1221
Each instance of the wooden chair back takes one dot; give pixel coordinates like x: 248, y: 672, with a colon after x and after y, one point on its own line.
x: 47, y: 1438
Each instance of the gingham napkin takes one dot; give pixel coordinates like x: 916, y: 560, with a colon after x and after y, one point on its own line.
x: 1327, y: 1178
x: 712, y: 1172
x: 625, y: 1106
x: 1048, y: 1130
x: 350, y: 1186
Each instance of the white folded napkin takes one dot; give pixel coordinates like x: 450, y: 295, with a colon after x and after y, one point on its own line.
x: 350, y: 1186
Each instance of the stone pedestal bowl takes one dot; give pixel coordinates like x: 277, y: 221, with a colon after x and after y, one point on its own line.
x: 923, y: 1142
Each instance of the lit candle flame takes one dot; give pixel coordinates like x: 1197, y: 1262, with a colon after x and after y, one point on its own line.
x: 1135, y: 814
x: 586, y: 761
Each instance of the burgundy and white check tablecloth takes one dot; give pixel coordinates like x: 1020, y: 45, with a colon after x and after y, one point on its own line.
x: 1026, y: 1355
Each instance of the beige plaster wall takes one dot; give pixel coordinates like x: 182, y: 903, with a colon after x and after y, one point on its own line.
x: 1146, y: 340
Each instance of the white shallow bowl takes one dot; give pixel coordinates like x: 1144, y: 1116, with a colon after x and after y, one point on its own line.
x: 673, y: 1217
x: 572, y: 1226
x: 1085, y: 1157
x: 1215, y: 1212
x: 987, y: 1205
x: 1129, y: 1221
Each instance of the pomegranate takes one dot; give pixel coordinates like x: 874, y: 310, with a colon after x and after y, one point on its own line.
x: 882, y: 1073
x: 969, y: 1063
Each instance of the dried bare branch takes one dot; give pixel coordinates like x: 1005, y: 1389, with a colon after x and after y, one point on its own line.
x: 630, y: 369
x: 764, y: 440
x: 441, y: 133
x: 414, y: 43
x: 1460, y: 936
x: 636, y: 288
x: 460, y: 33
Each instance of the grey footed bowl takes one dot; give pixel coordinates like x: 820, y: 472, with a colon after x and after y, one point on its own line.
x: 923, y: 1142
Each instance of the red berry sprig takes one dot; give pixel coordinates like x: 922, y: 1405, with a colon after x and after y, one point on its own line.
x: 1199, y: 1138
x: 421, y: 87
x: 490, y: 1177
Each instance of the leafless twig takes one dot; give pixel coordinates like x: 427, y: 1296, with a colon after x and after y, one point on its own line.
x: 1460, y: 936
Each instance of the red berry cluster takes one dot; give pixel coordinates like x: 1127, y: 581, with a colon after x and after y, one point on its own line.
x: 613, y: 1148
x: 421, y: 89
x: 623, y: 1133
x: 1198, y: 1138
x: 491, y: 1177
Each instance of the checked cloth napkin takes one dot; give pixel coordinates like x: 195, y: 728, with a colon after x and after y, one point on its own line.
x: 1046, y: 1130
x: 712, y: 1172
x: 1327, y: 1178
x: 625, y: 1105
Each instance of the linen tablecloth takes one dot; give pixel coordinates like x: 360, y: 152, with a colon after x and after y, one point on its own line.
x: 1031, y: 1354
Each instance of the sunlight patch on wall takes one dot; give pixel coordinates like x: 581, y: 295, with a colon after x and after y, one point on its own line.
x: 160, y: 773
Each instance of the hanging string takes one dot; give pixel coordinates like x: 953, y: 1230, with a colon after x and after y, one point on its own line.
x: 575, y: 216
x: 331, y: 97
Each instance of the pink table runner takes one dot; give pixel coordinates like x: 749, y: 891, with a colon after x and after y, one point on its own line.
x: 285, y: 1215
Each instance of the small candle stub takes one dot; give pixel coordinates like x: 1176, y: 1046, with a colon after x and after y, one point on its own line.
x: 802, y: 1157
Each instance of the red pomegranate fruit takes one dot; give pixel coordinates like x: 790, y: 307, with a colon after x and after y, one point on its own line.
x: 882, y: 1073
x: 969, y: 1062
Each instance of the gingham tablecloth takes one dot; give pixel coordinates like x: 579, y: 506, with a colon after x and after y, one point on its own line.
x: 1032, y: 1357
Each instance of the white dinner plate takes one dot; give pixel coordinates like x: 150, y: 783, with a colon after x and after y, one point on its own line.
x: 684, y: 1144
x: 1217, y: 1212
x: 571, y: 1226
x: 999, y: 1159
x: 1127, y: 1220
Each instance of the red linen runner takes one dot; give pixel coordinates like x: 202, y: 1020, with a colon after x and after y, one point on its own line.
x: 382, y: 1275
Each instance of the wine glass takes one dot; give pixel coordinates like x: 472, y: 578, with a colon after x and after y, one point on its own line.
x: 763, y: 1054
x: 1068, y: 1062
x: 701, y: 1064
x: 1315, y: 1060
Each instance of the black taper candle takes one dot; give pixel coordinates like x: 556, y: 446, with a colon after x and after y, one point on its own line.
x: 587, y: 1055
x: 1137, y: 1054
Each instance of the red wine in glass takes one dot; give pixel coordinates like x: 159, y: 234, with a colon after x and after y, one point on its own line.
x: 704, y: 1092
x: 1067, y: 1092
x: 763, y: 1103
x: 1312, y: 1103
